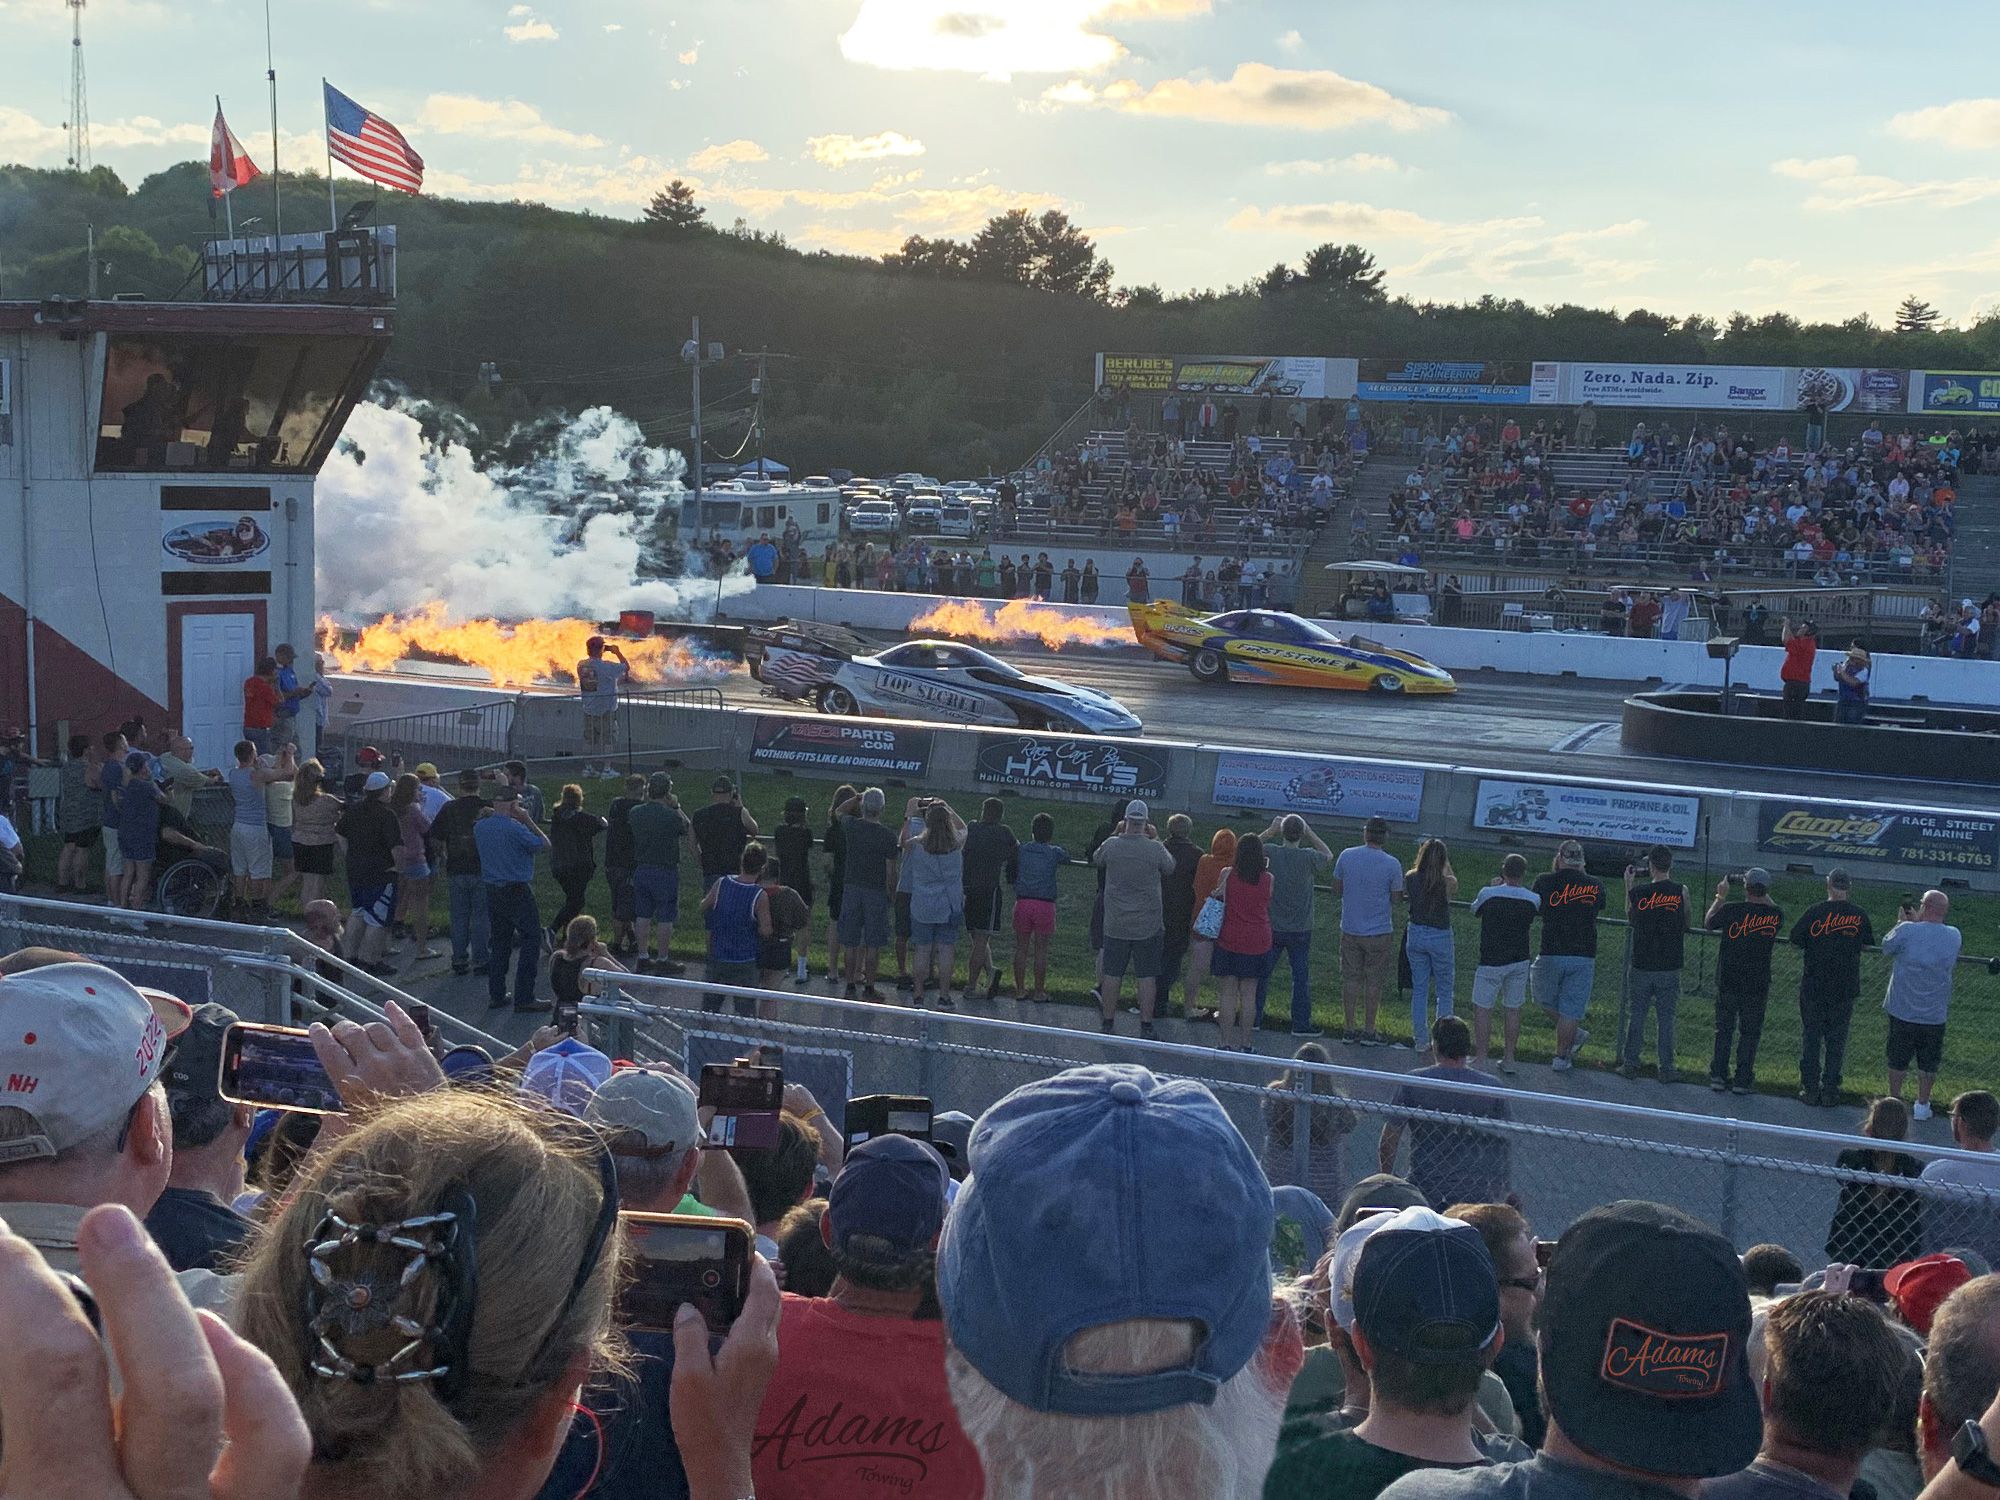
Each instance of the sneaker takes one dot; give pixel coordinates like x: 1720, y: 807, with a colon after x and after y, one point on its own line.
x: 385, y: 971
x: 669, y: 967
x: 1740, y: 1088
x: 1920, y: 1111
x: 1371, y: 1039
x: 1628, y: 1070
x: 1108, y: 1025
x: 1096, y: 997
x: 1350, y: 1036
x: 850, y: 992
x: 1560, y: 1065
x: 945, y: 1002
x: 482, y: 968
x: 1399, y: 1045
x: 1146, y: 1029
x: 1718, y: 1085
x: 904, y: 982
x: 534, y: 1007
x: 1307, y: 1031
x: 870, y: 993
x: 1667, y: 1075
x: 1510, y: 1069
x: 1582, y: 1036
x: 1808, y: 1096
x: 492, y: 1004
x: 993, y: 987
x: 425, y: 953
x: 461, y: 970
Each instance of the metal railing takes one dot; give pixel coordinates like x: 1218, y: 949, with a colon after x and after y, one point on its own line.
x: 469, y: 734
x: 541, y: 728
x: 1322, y: 1125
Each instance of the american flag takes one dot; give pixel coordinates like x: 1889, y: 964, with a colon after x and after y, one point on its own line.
x: 370, y: 144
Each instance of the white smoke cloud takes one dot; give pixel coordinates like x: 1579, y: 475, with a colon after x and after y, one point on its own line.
x: 564, y: 522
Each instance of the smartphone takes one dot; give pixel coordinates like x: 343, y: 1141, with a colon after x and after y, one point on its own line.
x: 1544, y: 1251
x: 568, y: 1017
x: 888, y: 1114
x: 276, y: 1067
x: 678, y: 1258
x: 767, y: 1054
x: 420, y: 1013
x: 1868, y: 1284
x: 746, y: 1099
x: 1734, y: 880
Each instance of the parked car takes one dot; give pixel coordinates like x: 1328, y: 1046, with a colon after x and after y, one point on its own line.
x: 873, y: 518
x: 955, y: 518
x: 922, y: 512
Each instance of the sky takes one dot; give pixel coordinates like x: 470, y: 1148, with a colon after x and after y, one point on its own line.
x: 1693, y: 158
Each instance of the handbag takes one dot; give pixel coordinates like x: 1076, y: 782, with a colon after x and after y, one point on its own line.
x: 1208, y: 921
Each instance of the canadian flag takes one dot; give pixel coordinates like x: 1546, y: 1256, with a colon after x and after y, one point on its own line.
x: 229, y: 167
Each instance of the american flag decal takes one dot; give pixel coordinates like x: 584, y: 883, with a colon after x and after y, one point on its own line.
x: 793, y: 673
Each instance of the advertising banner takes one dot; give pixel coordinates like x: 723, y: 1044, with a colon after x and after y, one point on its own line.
x: 1458, y: 382
x: 1319, y: 786
x: 1945, y: 392
x: 1852, y: 389
x: 214, y: 541
x: 1946, y: 841
x: 1587, y: 812
x: 1099, y: 767
x: 1283, y: 376
x: 1681, y: 387
x: 841, y: 745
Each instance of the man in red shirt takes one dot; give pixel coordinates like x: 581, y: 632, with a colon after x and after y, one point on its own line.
x: 1801, y: 645
x: 260, y: 704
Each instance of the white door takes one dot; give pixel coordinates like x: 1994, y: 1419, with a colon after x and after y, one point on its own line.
x: 217, y: 653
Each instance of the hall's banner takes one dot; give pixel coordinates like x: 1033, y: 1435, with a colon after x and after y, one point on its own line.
x: 1949, y: 392
x: 1915, y: 836
x: 1319, y: 786
x: 1223, y: 375
x: 1681, y: 387
x: 1457, y: 382
x: 1560, y: 810
x: 1102, y: 768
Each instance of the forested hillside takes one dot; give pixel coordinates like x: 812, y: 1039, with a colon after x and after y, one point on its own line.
x: 917, y: 362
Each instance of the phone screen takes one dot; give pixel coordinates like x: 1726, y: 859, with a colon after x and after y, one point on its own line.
x: 568, y: 1018
x: 871, y: 1115
x: 275, y: 1066
x: 685, y: 1258
x: 420, y: 1013
x: 746, y: 1099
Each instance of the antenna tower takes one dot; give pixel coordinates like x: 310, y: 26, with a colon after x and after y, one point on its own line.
x: 78, y: 125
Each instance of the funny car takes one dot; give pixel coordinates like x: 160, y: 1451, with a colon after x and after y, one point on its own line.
x: 838, y: 672
x: 1267, y: 645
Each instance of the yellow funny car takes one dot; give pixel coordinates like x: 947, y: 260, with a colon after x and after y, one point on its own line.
x: 1268, y: 645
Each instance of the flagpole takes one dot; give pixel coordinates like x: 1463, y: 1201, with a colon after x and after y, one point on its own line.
x: 271, y: 72
x: 326, y: 129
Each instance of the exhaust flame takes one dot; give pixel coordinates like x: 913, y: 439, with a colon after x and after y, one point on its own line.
x: 517, y: 654
x: 1015, y: 621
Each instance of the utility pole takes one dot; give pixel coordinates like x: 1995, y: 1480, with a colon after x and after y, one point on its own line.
x: 695, y: 355
x: 757, y: 390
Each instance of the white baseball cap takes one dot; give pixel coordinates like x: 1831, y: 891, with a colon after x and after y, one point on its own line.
x: 79, y: 1045
x: 1135, y: 811
x: 375, y: 782
x: 647, y: 1112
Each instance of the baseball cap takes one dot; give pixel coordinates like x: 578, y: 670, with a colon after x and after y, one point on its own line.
x: 646, y: 1112
x: 1424, y: 1288
x: 1757, y: 877
x: 722, y: 784
x: 1919, y: 1287
x: 890, y: 1188
x: 951, y: 1133
x: 79, y: 1045
x: 467, y: 1064
x: 375, y: 782
x: 1347, y: 1259
x: 1135, y: 811
x: 659, y: 784
x: 194, y: 1066
x: 1643, y: 1327
x: 1569, y: 854
x: 506, y: 791
x: 426, y: 768
x: 1378, y: 1190
x: 566, y: 1075
x: 1838, y: 878
x: 1098, y: 1156
x: 368, y: 755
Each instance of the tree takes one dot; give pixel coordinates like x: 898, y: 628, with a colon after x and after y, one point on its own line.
x: 1148, y: 295
x: 1065, y: 259
x: 1917, y: 316
x: 1004, y: 250
x: 673, y: 208
x: 1275, y: 281
x: 922, y: 257
x: 1342, y: 268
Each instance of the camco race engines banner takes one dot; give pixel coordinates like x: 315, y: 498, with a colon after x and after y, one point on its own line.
x: 1319, y: 787
x: 1099, y: 768
x: 1460, y: 382
x: 835, y: 745
x: 1948, y: 841
x: 1283, y: 376
x: 1556, y: 810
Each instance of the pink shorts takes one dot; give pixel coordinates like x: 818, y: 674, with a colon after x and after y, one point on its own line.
x: 1032, y: 917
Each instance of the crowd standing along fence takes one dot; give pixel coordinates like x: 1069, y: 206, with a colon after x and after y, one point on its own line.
x: 1323, y: 1126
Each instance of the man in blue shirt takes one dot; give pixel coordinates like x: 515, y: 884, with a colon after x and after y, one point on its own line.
x: 763, y: 558
x: 285, y: 719
x: 508, y: 842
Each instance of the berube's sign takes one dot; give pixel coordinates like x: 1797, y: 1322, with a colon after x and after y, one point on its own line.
x: 1943, y: 840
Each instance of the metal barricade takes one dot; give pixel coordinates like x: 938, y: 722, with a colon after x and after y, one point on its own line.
x: 471, y: 734
x: 1326, y: 1126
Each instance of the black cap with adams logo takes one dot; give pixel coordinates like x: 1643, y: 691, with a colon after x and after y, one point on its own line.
x: 1643, y: 1332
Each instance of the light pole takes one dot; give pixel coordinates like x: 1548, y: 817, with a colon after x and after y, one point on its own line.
x: 694, y: 354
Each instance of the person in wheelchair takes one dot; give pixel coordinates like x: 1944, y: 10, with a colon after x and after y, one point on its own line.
x: 194, y: 879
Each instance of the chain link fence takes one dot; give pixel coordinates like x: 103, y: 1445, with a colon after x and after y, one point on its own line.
x: 1325, y: 1127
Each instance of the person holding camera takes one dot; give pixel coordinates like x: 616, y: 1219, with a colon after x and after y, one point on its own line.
x: 1749, y: 921
x: 1831, y: 935
x: 1924, y: 950
x: 1801, y: 646
x: 1656, y: 906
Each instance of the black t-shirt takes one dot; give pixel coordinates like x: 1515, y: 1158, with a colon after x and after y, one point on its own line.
x: 1316, y: 1459
x: 1833, y: 933
x: 1505, y: 913
x: 196, y: 1232
x: 719, y: 836
x: 1658, y: 910
x: 453, y: 829
x: 1177, y: 888
x: 572, y: 834
x: 1750, y: 930
x: 618, y: 833
x: 871, y: 849
x: 794, y: 842
x: 1571, y: 901
x: 372, y: 834
x: 988, y: 847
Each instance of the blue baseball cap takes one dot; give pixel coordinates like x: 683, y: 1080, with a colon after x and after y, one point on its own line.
x: 890, y: 1188
x: 1425, y: 1288
x: 566, y: 1075
x: 1098, y: 1196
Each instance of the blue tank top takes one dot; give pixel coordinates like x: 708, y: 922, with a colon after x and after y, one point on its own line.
x: 732, y: 923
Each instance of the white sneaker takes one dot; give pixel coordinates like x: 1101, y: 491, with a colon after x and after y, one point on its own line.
x: 1560, y: 1065
x: 1920, y: 1111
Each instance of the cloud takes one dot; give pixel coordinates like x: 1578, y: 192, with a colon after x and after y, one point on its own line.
x: 1291, y: 41
x: 690, y: 57
x: 1840, y: 186
x: 1359, y: 161
x: 845, y: 150
x: 25, y: 139
x: 999, y: 38
x: 528, y: 27
x: 627, y: 183
x: 1258, y: 94
x: 853, y: 240
x: 613, y: 26
x: 728, y: 154
x: 912, y: 210
x: 1972, y: 123
x: 496, y: 119
x: 1365, y: 221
